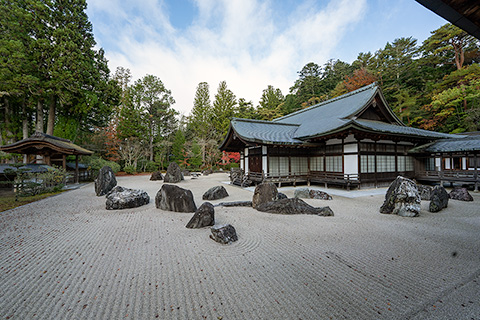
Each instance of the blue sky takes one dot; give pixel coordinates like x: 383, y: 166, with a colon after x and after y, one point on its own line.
x: 248, y: 43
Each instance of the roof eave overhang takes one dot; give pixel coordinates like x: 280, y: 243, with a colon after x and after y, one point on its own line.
x: 20, y: 147
x: 355, y: 126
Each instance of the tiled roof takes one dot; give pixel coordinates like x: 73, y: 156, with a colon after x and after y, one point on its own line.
x: 401, y: 130
x: 325, y: 118
x: 265, y: 132
x: 468, y: 143
x: 42, y: 139
x: 329, y: 115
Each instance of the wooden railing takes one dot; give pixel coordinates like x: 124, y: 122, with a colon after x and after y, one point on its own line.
x: 450, y: 175
x: 312, y: 176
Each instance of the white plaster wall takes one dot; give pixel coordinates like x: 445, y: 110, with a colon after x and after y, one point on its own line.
x: 350, y: 138
x: 350, y: 148
x: 464, y: 163
x: 264, y: 159
x: 334, y: 141
x: 350, y: 164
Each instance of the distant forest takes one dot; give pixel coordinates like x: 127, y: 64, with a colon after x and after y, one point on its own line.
x: 53, y: 80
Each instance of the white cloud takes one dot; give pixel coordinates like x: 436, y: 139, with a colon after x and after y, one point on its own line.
x: 239, y: 41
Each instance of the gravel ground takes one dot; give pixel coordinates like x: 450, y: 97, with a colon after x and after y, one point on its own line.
x: 66, y: 257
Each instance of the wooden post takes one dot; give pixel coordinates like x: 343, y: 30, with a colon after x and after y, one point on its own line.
x: 64, y: 161
x: 476, y: 173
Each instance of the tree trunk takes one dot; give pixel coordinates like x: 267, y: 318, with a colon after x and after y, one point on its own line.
x: 39, y: 125
x: 51, y: 116
x: 25, y: 119
x: 8, y: 117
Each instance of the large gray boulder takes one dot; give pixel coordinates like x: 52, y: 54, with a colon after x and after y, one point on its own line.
x: 263, y: 193
x: 203, y: 217
x: 425, y: 191
x: 439, y: 199
x: 293, y: 206
x: 303, y: 193
x: 402, y: 198
x: 124, y: 198
x: 215, y: 193
x: 460, y: 194
x: 157, y: 175
x: 105, y: 181
x: 173, y: 198
x: 224, y: 234
x: 174, y: 173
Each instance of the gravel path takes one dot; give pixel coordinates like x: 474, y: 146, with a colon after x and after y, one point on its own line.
x: 66, y: 257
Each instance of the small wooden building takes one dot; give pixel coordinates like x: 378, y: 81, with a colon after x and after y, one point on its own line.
x: 455, y: 160
x: 351, y: 140
x: 53, y: 150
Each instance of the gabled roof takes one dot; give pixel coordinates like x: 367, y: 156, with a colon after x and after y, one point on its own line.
x: 353, y: 110
x: 40, y: 143
x: 335, y: 113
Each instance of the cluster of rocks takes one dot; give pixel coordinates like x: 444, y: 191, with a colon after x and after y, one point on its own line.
x: 404, y: 196
x: 174, y: 198
x: 118, y: 197
x: 307, y: 193
x: 266, y: 198
x: 460, y: 193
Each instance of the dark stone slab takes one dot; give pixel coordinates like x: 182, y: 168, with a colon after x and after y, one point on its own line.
x: 215, y: 193
x: 174, y: 198
x: 264, y: 193
x: 402, y: 198
x: 293, y: 206
x: 173, y: 174
x: 105, y: 181
x: 223, y: 234
x: 235, y: 204
x: 157, y: 175
x: 439, y: 199
x: 203, y: 217
x: 124, y: 198
x: 461, y: 194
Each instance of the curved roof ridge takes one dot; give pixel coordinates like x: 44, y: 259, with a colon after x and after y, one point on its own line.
x: 343, y: 96
x: 265, y: 122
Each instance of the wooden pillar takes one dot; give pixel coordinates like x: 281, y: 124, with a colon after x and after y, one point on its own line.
x: 442, y: 169
x: 76, y: 168
x: 64, y: 162
x: 476, y: 173
x: 376, y: 164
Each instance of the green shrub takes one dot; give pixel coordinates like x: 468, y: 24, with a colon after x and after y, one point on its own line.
x: 28, y: 183
x: 151, y: 166
x: 130, y: 169
x: 96, y: 163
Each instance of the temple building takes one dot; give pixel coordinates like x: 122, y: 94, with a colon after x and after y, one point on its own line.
x: 353, y: 140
